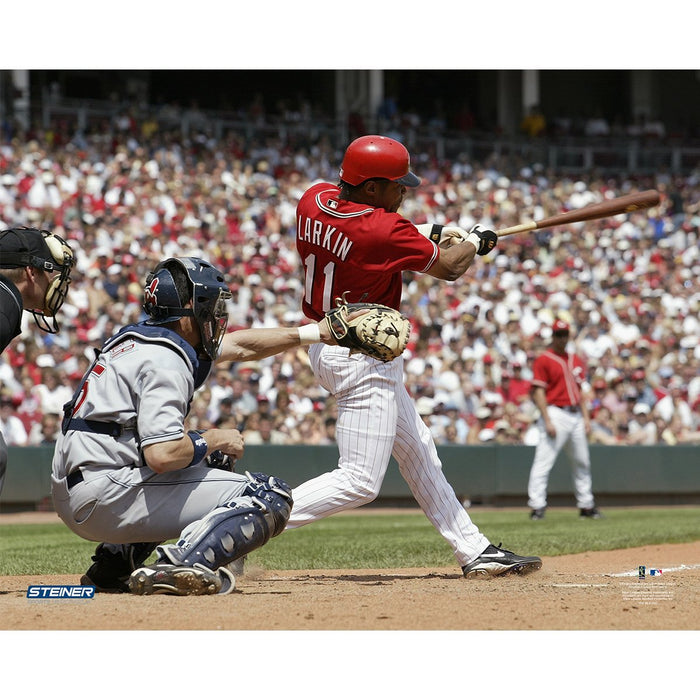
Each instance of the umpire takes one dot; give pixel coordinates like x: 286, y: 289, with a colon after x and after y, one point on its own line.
x: 35, y: 271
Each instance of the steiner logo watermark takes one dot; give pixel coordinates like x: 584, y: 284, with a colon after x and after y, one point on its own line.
x: 60, y: 592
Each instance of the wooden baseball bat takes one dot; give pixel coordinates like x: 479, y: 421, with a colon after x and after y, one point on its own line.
x: 611, y: 207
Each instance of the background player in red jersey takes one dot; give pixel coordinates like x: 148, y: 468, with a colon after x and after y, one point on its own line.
x: 352, y: 242
x: 564, y: 423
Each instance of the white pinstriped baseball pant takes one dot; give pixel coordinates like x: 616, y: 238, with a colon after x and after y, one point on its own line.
x: 378, y: 418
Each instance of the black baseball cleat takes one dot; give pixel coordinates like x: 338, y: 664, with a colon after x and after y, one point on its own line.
x: 494, y: 561
x: 537, y: 514
x: 592, y: 513
x: 113, y: 564
x: 172, y: 579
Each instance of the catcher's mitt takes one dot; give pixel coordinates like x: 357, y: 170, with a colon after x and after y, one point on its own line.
x: 381, y: 333
x: 218, y: 460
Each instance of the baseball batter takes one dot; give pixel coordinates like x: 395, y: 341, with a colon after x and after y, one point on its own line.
x: 128, y: 473
x: 353, y: 244
x: 36, y: 267
x: 564, y: 424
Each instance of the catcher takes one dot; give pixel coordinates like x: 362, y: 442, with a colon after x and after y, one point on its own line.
x: 129, y: 474
x: 352, y: 242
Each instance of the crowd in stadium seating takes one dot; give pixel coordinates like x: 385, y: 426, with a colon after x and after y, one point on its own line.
x: 131, y: 193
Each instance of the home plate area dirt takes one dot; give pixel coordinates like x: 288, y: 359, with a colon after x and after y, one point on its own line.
x: 589, y: 591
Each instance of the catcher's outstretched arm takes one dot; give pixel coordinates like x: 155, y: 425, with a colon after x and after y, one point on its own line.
x: 258, y: 343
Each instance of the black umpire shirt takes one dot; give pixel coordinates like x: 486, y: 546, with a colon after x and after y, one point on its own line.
x: 11, y: 308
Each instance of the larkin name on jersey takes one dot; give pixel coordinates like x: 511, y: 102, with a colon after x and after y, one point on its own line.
x: 334, y: 241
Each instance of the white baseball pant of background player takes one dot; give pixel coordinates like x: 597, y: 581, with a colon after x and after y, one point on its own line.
x: 377, y: 417
x: 571, y: 437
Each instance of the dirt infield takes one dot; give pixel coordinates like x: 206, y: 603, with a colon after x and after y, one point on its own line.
x: 589, y: 591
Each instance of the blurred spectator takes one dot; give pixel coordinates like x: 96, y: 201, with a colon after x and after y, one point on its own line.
x: 264, y: 408
x: 642, y: 430
x: 53, y: 394
x: 426, y: 410
x: 675, y: 433
x: 29, y: 409
x: 46, y: 431
x: 142, y: 189
x: 450, y: 436
x: 219, y: 385
x: 481, y: 430
x: 518, y: 386
x: 457, y: 424
x: 225, y: 412
x: 506, y: 434
x: 310, y: 430
x: 595, y: 401
x: 263, y: 433
x: 674, y: 404
x: 645, y: 394
x: 604, y: 429
x: 241, y: 397
x: 615, y: 399
x: 328, y: 437
x: 198, y: 418
x: 594, y: 344
x: 11, y: 425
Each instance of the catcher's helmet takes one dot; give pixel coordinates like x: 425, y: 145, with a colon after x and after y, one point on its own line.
x: 43, y: 250
x: 377, y: 156
x: 164, y: 302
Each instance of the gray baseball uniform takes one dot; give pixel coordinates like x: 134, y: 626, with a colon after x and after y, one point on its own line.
x: 140, y: 387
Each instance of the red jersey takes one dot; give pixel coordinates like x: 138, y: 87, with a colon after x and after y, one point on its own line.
x: 560, y: 376
x: 355, y: 248
x: 517, y: 389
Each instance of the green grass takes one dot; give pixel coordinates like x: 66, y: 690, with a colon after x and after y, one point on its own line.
x: 379, y: 541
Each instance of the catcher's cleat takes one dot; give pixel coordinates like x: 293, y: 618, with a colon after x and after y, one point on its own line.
x: 494, y: 561
x: 171, y: 579
x: 113, y: 564
x: 115, y: 586
x: 537, y: 514
x: 237, y: 568
x: 592, y: 513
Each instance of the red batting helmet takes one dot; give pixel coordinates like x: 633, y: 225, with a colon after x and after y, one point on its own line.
x: 377, y: 156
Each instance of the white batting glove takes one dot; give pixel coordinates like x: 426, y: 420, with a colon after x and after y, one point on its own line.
x: 443, y: 236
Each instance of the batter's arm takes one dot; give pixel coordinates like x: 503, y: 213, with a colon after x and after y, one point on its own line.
x: 453, y: 262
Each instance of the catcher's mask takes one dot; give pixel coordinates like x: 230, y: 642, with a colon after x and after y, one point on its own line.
x: 206, y: 288
x: 377, y: 157
x: 43, y: 250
